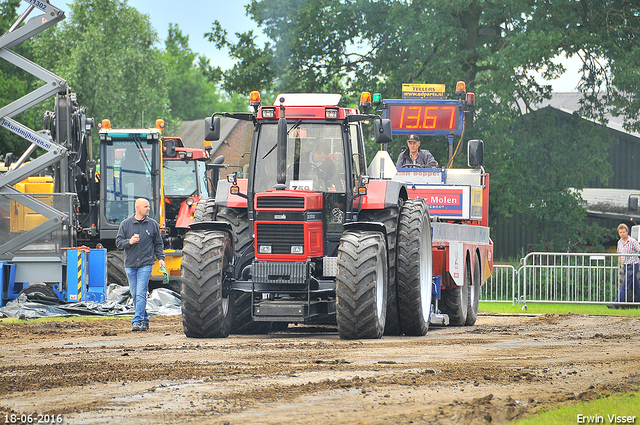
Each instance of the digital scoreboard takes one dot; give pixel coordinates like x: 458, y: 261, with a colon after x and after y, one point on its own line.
x: 424, y: 116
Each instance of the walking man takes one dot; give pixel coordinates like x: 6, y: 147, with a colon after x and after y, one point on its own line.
x: 630, y: 286
x: 139, y: 237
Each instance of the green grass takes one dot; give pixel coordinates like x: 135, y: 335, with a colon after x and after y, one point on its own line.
x: 14, y: 321
x: 626, y: 404
x: 553, y: 308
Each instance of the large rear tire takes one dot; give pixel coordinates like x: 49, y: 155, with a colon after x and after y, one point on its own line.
x: 205, y: 210
x: 455, y: 300
x: 361, y: 285
x: 389, y: 217
x: 205, y: 305
x: 115, y: 268
x: 415, y: 267
x: 474, y: 293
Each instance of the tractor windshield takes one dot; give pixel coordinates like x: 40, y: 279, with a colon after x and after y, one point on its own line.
x: 315, y: 158
x: 180, y: 178
x: 128, y: 175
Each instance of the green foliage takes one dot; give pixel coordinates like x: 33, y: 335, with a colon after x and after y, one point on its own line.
x: 105, y: 50
x: 15, y: 83
x: 534, y: 159
x: 191, y: 93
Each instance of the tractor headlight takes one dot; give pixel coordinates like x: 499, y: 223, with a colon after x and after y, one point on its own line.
x: 264, y: 249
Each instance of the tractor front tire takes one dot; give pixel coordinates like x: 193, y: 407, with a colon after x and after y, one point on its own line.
x: 361, y: 285
x: 389, y: 217
x: 415, y: 268
x: 206, y: 311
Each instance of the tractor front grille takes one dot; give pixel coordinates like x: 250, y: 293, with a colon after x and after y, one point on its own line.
x: 280, y: 202
x: 280, y: 272
x: 281, y: 236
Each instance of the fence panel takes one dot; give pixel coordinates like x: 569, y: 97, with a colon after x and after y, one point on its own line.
x: 565, y: 278
x: 501, y: 286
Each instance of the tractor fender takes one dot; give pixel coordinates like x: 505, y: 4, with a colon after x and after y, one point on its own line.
x: 221, y: 226
x: 226, y: 199
x: 382, y: 194
x: 370, y: 226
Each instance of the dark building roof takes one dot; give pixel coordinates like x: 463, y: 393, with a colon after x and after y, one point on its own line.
x: 570, y: 103
x: 192, y: 133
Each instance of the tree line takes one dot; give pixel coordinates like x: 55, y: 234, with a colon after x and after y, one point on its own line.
x: 109, y: 54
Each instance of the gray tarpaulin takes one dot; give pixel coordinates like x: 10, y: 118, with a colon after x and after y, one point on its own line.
x: 161, y: 301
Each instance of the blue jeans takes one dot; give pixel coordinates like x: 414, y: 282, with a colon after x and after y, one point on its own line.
x: 138, y: 286
x: 630, y: 288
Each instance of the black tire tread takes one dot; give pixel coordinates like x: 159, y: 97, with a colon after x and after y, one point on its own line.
x: 204, y: 256
x: 455, y: 301
x: 474, y: 293
x: 205, y: 210
x: 115, y: 268
x: 356, y: 309
x: 389, y: 217
x: 414, y: 215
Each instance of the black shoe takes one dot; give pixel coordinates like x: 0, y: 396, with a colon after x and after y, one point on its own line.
x: 614, y: 306
x: 137, y: 327
x: 145, y: 327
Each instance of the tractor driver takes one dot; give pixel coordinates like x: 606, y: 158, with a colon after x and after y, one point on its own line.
x: 318, y: 162
x: 414, y: 156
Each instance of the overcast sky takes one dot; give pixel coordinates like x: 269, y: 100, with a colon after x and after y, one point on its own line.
x: 194, y: 18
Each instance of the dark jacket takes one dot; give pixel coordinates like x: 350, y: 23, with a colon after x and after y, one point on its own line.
x: 150, y: 245
x: 424, y: 159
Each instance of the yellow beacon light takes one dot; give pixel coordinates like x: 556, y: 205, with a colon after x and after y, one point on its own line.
x: 461, y: 87
x: 160, y: 124
x: 365, y: 99
x: 254, y: 98
x: 106, y: 124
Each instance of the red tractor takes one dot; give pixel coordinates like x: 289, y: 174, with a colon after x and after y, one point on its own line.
x: 309, y: 236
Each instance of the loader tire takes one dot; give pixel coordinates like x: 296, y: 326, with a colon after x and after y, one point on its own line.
x: 243, y: 252
x: 455, y: 301
x: 205, y: 210
x: 361, y: 285
x: 115, y: 268
x: 40, y: 292
x: 389, y: 217
x: 415, y: 268
x: 474, y: 294
x: 206, y: 311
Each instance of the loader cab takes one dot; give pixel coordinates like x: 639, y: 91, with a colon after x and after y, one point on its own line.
x: 130, y: 169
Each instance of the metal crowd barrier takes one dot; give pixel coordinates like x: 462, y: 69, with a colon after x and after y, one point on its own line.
x: 564, y: 278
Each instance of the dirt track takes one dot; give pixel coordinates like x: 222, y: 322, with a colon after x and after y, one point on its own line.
x: 500, y: 369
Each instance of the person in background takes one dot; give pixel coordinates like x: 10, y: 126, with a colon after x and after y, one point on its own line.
x: 139, y: 236
x: 630, y: 285
x: 414, y: 156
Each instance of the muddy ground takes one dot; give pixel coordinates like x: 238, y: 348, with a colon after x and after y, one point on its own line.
x: 503, y: 368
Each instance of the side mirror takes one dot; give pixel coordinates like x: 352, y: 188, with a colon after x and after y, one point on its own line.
x: 8, y: 159
x: 212, y: 129
x: 382, y: 129
x: 169, y: 148
x: 475, y: 153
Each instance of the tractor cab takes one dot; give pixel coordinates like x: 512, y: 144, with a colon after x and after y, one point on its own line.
x: 130, y: 168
